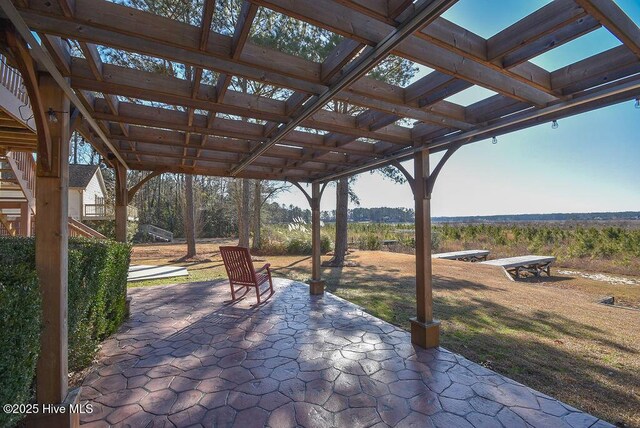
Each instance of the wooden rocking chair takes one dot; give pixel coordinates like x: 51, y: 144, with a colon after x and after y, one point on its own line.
x: 237, y: 262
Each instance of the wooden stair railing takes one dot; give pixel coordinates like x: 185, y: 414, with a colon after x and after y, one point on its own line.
x: 14, y: 100
x: 80, y: 229
x: 7, y: 228
x: 24, y: 170
x: 11, y: 79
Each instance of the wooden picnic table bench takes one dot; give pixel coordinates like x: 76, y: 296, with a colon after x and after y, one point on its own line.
x: 463, y: 256
x: 515, y: 266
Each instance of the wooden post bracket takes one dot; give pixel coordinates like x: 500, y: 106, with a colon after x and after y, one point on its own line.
x: 134, y: 189
x: 430, y: 181
x: 310, y: 199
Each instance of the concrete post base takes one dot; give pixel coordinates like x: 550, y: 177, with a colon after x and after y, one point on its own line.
x: 316, y: 287
x: 425, y: 335
x: 63, y: 415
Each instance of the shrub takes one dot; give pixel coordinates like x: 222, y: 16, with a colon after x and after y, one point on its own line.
x: 294, y: 239
x: 97, y: 295
x: 20, y: 325
x: 370, y: 242
x: 326, y: 244
x: 96, y: 307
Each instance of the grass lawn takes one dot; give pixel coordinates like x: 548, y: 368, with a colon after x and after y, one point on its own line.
x: 550, y: 335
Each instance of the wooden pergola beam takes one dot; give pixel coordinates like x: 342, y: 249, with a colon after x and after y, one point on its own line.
x: 427, y: 13
x: 135, y: 114
x: 301, y: 140
x: 290, y: 70
x: 41, y: 55
x: 94, y: 61
x: 614, y: 19
x: 239, y: 38
x: 228, y: 159
x: 324, y: 158
x: 601, y: 68
x: 596, y: 98
x: 139, y: 84
x: 544, y: 21
x: 220, y: 170
x: 441, y: 52
x: 540, y: 45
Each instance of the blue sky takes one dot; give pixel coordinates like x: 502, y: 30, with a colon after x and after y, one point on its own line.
x: 590, y: 163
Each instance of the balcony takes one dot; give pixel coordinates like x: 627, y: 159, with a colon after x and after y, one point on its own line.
x: 107, y: 212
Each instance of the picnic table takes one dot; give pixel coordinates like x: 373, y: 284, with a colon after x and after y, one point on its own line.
x: 515, y: 266
x: 463, y: 256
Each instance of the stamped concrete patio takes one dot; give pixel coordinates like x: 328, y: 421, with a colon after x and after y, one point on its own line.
x: 186, y: 358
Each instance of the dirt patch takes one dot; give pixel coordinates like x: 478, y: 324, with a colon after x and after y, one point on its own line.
x: 175, y: 250
x: 610, y: 279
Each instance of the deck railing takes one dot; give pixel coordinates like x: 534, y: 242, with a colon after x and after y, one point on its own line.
x: 99, y: 210
x: 27, y: 165
x: 11, y: 79
x: 107, y: 211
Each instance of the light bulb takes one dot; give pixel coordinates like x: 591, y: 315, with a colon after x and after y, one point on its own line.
x: 52, y: 116
x: 554, y: 124
x: 638, y: 103
x: 494, y: 140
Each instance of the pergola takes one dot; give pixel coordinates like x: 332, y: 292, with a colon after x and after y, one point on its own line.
x: 149, y: 121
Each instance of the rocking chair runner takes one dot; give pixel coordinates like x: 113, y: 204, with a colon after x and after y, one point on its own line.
x: 240, y: 270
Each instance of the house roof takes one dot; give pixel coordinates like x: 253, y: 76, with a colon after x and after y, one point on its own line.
x: 81, y: 175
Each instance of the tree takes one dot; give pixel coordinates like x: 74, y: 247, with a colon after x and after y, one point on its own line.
x: 243, y: 220
x: 257, y: 211
x: 393, y: 70
x: 189, y: 223
x: 342, y: 212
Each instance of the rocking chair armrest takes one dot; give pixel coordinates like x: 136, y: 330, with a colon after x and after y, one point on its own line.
x: 266, y: 266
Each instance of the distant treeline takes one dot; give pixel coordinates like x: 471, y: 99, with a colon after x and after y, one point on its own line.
x: 407, y: 215
x: 280, y: 214
x: 514, y: 218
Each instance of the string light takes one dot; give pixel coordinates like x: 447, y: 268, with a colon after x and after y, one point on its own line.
x: 554, y: 124
x: 494, y: 140
x: 52, y: 116
x: 638, y: 103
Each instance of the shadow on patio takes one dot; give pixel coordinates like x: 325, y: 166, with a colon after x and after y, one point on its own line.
x: 186, y: 358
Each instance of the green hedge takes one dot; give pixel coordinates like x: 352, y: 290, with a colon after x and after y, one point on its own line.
x: 19, y: 336
x: 97, y: 299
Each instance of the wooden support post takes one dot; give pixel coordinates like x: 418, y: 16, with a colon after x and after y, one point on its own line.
x: 425, y: 332
x: 121, y: 203
x: 25, y: 219
x: 52, y: 245
x: 317, y: 285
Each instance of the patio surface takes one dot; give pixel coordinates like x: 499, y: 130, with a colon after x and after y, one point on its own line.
x: 185, y: 358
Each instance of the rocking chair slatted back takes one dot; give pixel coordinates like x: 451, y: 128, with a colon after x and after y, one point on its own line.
x: 240, y: 270
x: 237, y: 262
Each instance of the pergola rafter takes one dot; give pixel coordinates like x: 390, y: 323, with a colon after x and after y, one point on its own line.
x: 460, y: 59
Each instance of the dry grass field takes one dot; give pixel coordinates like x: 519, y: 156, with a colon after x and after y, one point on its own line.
x: 549, y: 333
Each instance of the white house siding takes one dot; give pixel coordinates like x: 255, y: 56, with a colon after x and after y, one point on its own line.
x: 74, y: 204
x: 92, y: 191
